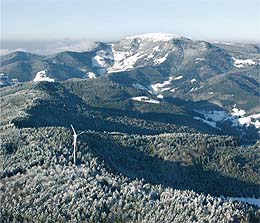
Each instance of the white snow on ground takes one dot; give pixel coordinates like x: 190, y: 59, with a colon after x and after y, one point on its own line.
x: 160, y: 96
x: 161, y: 60
x: 178, y: 78
x: 194, y: 89
x: 105, y: 54
x: 157, y: 87
x: 160, y: 87
x: 226, y: 43
x: 155, y: 37
x: 197, y: 60
x: 242, y: 63
x: 145, y: 99
x: 246, y: 120
x: 42, y: 76
x: 249, y: 200
x: 237, y: 112
x: 130, y: 61
x: 173, y: 90
x: 251, y: 120
x: 211, y: 93
x: 193, y: 80
x: 210, y: 123
x: 98, y: 61
x: 91, y: 75
x: 124, y: 61
x: 83, y: 69
x: 165, y: 89
x: 237, y: 117
x: 156, y: 48
x: 212, y: 117
x: 216, y: 116
x: 119, y: 56
x: 150, y: 56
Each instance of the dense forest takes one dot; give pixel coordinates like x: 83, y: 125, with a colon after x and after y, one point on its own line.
x: 125, y: 178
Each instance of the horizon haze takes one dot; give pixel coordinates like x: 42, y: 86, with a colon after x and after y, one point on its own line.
x: 47, y: 27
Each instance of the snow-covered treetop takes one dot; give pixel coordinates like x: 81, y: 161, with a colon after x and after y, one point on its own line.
x: 155, y: 37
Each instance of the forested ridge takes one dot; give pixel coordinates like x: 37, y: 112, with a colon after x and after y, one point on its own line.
x: 125, y: 178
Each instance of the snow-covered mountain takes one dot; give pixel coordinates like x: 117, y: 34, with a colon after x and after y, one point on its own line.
x: 136, y: 51
x: 157, y: 48
x: 163, y: 65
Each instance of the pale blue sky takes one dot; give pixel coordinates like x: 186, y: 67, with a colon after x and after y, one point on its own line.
x: 24, y: 20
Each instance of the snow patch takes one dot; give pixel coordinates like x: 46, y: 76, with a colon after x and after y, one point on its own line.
x: 213, y: 115
x: 42, y: 76
x: 145, y: 99
x: 158, y: 86
x: 156, y: 48
x: 165, y: 89
x: 193, y: 80
x: 160, y: 96
x: 98, y: 61
x: 173, y: 89
x: 242, y: 63
x: 237, y: 112
x: 199, y: 59
x: 251, y: 120
x: 194, y: 89
x: 155, y: 37
x: 91, y: 75
x: 123, y: 61
x: 178, y: 78
x: 237, y: 117
x: 161, y: 60
x: 210, y: 123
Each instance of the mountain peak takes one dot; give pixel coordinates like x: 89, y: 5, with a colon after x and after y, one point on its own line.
x: 155, y: 36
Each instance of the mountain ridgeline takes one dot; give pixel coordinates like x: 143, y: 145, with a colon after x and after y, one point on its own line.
x: 170, y: 131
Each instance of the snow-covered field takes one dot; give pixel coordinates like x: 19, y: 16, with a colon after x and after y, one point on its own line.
x: 159, y: 86
x: 237, y: 117
x: 178, y: 78
x: 42, y: 76
x: 91, y: 75
x: 210, y: 123
x: 242, y: 63
x: 145, y: 99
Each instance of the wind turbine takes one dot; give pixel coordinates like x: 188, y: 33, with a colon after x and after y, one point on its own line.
x: 75, y: 135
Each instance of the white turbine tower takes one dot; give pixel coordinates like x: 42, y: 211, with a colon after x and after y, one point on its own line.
x: 75, y: 135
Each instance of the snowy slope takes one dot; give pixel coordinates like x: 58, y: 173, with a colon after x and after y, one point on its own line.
x: 237, y: 117
x: 42, y: 76
x: 151, y: 49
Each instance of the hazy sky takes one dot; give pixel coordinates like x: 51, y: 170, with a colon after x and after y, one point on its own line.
x: 41, y: 20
